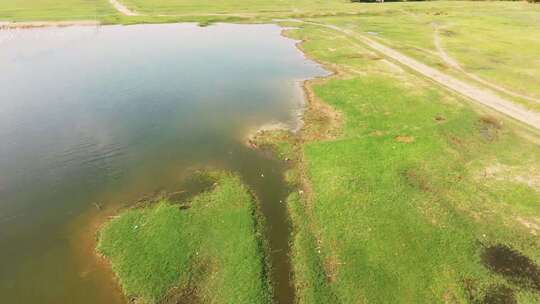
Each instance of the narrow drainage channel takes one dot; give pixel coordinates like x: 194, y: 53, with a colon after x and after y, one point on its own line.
x: 264, y: 174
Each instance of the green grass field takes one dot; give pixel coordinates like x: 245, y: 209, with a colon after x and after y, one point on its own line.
x: 236, y: 7
x: 404, y: 202
x: 54, y: 10
x: 208, y: 250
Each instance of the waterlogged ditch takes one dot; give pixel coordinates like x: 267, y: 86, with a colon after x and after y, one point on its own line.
x: 94, y: 118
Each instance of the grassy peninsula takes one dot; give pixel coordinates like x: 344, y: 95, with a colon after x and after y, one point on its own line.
x: 207, y: 249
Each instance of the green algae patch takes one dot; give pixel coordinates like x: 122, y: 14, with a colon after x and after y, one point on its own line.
x: 207, y: 250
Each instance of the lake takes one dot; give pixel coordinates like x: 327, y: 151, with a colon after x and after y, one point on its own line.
x: 93, y: 119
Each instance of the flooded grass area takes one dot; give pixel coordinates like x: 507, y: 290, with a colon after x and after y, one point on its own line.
x: 98, y: 119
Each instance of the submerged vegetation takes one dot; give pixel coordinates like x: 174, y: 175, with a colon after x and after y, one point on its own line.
x: 207, y: 249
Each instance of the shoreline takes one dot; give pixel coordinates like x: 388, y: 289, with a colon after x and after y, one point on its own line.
x: 8, y: 25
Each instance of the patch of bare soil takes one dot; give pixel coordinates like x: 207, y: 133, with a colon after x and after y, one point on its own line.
x: 532, y: 224
x: 439, y: 118
x: 512, y: 265
x: 491, y: 121
x: 404, y: 139
x: 489, y: 128
x: 417, y: 179
x: 322, y: 122
x: 331, y: 267
x: 529, y: 176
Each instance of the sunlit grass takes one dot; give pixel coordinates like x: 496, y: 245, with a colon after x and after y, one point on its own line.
x: 497, y: 41
x: 400, y: 205
x: 53, y: 10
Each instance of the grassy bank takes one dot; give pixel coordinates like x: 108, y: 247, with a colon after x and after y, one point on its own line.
x: 207, y: 249
x: 403, y: 206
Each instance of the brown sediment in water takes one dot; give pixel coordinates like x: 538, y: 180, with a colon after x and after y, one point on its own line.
x: 194, y: 182
x: 88, y: 258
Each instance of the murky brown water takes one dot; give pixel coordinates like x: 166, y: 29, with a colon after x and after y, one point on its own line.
x: 92, y: 119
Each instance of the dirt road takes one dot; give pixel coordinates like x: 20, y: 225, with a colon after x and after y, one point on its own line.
x: 454, y: 64
x: 122, y: 8
x: 479, y: 95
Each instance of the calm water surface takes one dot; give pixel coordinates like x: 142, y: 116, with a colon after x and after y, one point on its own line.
x: 101, y: 116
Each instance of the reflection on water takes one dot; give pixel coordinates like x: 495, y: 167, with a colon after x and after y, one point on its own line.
x: 92, y: 118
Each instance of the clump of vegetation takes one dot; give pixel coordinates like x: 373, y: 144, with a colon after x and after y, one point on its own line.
x: 209, y: 252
